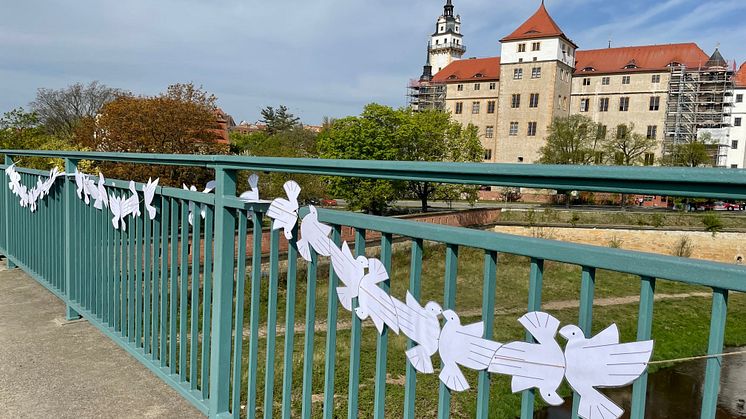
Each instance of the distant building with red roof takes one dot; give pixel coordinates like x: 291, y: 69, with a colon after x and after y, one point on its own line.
x: 541, y: 74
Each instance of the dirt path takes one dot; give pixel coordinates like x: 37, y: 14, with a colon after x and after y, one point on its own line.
x: 320, y: 326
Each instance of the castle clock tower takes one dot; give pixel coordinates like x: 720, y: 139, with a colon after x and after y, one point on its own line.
x: 446, y: 43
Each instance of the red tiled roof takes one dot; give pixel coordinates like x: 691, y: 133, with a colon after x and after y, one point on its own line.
x: 470, y: 69
x: 539, y: 25
x: 740, y: 77
x: 645, y: 58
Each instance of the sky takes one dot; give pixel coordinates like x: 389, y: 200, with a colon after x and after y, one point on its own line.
x: 317, y: 57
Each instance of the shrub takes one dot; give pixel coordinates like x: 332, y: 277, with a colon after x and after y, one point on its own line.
x: 657, y: 220
x: 574, y: 219
x: 615, y: 242
x: 712, y: 223
x: 683, y: 247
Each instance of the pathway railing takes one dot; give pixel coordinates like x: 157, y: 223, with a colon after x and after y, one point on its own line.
x: 177, y: 297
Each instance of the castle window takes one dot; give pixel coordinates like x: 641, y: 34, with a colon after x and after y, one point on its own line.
x: 535, y: 46
x: 521, y: 47
x: 624, y: 104
x: 737, y: 122
x: 536, y: 73
x: 606, y: 81
x: 656, y: 78
x: 490, y: 106
x: 649, y: 159
x: 493, y: 86
x: 475, y: 108
x: 460, y: 87
x: 513, y: 129
x: 655, y: 103
x: 518, y: 74
x: 515, y: 101
x: 477, y: 86
x: 739, y: 98
x: 459, y: 108
x: 489, y: 131
x: 625, y: 79
x: 734, y: 144
x: 585, y: 104
x: 531, y: 129
x: 603, y: 104
x: 602, y: 129
x: 652, y: 132
x: 533, y: 100
x: 488, y: 154
x: 587, y: 81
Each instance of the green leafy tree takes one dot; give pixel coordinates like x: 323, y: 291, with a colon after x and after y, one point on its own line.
x: 279, y: 119
x: 695, y: 153
x: 628, y: 148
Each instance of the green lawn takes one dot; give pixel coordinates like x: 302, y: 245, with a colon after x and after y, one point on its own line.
x: 680, y: 328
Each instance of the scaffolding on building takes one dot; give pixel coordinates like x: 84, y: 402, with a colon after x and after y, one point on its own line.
x: 426, y: 94
x: 699, y: 105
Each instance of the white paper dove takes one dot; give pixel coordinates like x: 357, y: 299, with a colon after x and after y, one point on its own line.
x: 284, y: 212
x: 102, y: 199
x: 149, y: 192
x: 15, y: 179
x: 116, y: 205
x: 314, y: 234
x: 373, y: 301
x: 422, y: 326
x: 23, y: 195
x: 193, y: 206
x: 131, y: 205
x: 252, y: 195
x: 79, y: 182
x: 540, y: 365
x: 462, y: 345
x: 602, y: 361
x: 350, y: 271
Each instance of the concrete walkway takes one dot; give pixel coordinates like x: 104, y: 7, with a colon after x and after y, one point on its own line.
x: 69, y: 371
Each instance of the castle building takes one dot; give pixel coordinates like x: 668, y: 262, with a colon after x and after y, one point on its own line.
x: 737, y: 152
x: 672, y: 93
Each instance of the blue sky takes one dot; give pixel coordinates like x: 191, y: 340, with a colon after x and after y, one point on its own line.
x: 318, y: 57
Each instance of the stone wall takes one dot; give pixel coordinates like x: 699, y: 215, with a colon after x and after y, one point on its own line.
x: 723, y: 247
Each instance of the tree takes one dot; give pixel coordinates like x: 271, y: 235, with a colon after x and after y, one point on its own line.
x: 628, y: 148
x: 168, y: 123
x: 433, y: 136
x: 278, y: 120
x: 189, y: 93
x: 693, y: 153
x: 575, y: 139
x: 374, y: 135
x: 60, y: 110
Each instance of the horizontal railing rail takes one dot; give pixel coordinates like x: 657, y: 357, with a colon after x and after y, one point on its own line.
x: 179, y: 295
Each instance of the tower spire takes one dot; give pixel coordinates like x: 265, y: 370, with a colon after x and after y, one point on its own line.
x: 448, y: 9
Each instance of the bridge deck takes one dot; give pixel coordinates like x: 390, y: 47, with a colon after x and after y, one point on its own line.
x: 69, y: 371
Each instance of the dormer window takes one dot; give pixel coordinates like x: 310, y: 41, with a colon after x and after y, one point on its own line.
x: 674, y: 64
x: 452, y: 77
x: 589, y: 69
x: 630, y: 66
x: 478, y: 75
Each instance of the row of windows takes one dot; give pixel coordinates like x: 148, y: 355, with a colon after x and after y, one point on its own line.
x: 476, y: 86
x: 535, y: 73
x: 475, y: 107
x: 603, y: 104
x: 530, y: 131
x: 599, y: 158
x: 535, y: 46
x: 605, y: 81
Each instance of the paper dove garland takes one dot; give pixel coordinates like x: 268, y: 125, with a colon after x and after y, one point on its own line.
x: 540, y: 365
x: 29, y: 198
x: 601, y: 361
x: 252, y: 195
x: 374, y: 301
x: 350, y: 271
x: 149, y: 192
x: 284, y: 212
x: 422, y: 326
x: 314, y: 235
x: 192, y: 206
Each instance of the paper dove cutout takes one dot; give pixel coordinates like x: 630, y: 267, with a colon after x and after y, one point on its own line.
x: 102, y: 199
x: 284, y: 212
x: 314, y: 234
x: 192, y: 206
x: 149, y: 192
x: 602, y: 361
x: 253, y: 194
x: 462, y: 345
x: 373, y: 301
x: 350, y: 271
x: 131, y: 205
x: 15, y: 179
x: 422, y: 326
x: 79, y: 183
x: 540, y: 365
x: 116, y: 206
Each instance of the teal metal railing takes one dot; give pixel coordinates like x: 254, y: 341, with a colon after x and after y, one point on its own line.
x: 176, y: 295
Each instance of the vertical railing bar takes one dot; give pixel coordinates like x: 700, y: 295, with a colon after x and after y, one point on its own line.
x: 174, y: 286
x: 238, y: 314
x: 287, y: 371
x: 256, y: 287
x: 117, y: 277
x: 308, y: 361
x: 138, y: 280
x: 126, y: 279
x: 184, y: 286
x: 331, y: 334
x: 535, y: 285
x: 269, y: 368
x: 207, y: 302
x: 355, y: 340
x: 156, y: 275
x: 585, y: 317
x: 382, y: 340
x: 711, y: 387
x: 110, y: 249
x: 449, y: 303
x: 644, y: 331
x: 194, y: 344
x: 132, y: 230
x: 415, y: 274
x: 165, y: 223
x: 488, y: 318
x: 148, y: 279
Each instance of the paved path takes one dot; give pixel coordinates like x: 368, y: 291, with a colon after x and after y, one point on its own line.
x: 69, y: 371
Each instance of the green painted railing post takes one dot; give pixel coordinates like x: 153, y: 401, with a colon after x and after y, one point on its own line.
x: 644, y: 331
x: 6, y: 194
x: 715, y: 346
x: 220, y: 355
x: 70, y: 167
